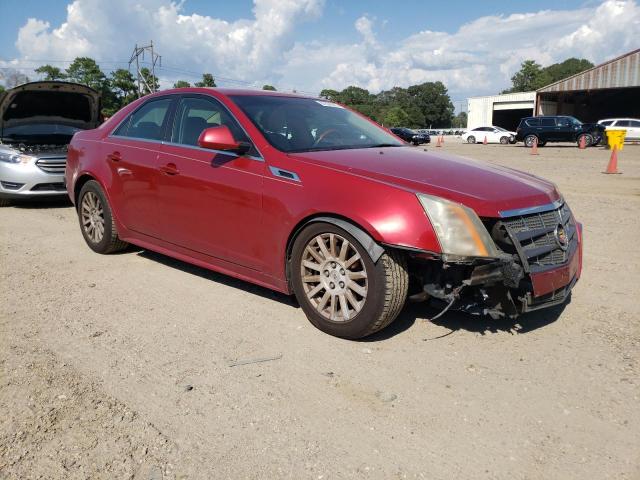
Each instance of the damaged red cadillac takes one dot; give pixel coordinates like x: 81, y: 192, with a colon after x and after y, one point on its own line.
x: 306, y: 197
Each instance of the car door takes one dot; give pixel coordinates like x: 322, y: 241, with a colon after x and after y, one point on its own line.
x: 211, y: 201
x: 132, y: 154
x: 550, y: 130
x: 632, y: 128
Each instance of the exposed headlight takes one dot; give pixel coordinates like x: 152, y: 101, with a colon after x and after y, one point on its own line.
x: 11, y: 157
x: 458, y: 228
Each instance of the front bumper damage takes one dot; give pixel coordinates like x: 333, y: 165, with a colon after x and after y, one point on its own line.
x: 500, y: 287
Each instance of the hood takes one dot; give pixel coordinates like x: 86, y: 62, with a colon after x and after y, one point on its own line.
x: 486, y: 188
x: 50, y: 102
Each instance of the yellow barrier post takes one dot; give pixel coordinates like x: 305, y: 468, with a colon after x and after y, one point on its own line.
x: 615, y: 138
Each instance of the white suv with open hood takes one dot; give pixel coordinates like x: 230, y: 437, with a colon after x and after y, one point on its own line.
x: 37, y: 121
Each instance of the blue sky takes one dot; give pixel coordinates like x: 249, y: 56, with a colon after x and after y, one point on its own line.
x: 472, y: 46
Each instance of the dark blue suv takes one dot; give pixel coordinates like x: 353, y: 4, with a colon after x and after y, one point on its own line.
x: 558, y: 128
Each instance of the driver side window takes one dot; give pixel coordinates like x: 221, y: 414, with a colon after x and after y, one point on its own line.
x: 196, y: 114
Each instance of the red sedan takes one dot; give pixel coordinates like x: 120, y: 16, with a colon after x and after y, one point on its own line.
x: 305, y: 196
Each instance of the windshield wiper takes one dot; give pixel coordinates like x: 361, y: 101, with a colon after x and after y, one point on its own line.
x: 381, y: 145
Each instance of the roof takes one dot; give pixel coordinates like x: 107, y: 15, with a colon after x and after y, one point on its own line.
x: 620, y: 72
x: 238, y: 91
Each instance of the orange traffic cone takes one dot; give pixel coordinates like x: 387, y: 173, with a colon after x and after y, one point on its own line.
x: 484, y: 142
x: 438, y: 142
x: 582, y: 144
x: 534, y: 149
x: 612, y: 167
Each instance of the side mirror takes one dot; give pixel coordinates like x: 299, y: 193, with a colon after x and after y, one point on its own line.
x: 221, y: 138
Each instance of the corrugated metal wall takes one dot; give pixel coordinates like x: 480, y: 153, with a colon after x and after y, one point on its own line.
x: 620, y: 72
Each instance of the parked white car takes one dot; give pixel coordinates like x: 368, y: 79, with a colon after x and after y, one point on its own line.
x: 492, y: 134
x: 631, y: 125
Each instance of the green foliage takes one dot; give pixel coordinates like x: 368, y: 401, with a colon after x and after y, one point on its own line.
x: 150, y: 82
x: 460, y: 120
x: 427, y: 104
x: 269, y: 87
x: 207, y: 81
x: 50, y: 73
x: 86, y: 71
x: 2, y: 89
x: 532, y: 76
x: 181, y: 84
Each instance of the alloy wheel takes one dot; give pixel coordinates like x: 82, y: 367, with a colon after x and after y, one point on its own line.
x: 334, y: 277
x: 92, y: 214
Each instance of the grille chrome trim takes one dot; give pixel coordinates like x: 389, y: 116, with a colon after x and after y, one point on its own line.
x: 530, y: 210
x: 52, y: 164
x: 534, y: 238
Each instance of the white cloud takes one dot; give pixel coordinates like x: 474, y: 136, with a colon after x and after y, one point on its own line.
x: 479, y: 58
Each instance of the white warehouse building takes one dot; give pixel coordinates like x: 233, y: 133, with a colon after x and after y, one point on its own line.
x: 504, y: 110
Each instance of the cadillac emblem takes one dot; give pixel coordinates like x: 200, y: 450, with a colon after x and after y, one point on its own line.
x: 561, y: 237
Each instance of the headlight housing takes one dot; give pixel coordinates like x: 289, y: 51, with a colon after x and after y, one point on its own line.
x: 458, y: 228
x: 14, y: 157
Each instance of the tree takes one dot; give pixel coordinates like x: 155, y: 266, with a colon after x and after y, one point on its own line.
x: 532, y: 76
x: 332, y: 95
x: 395, y: 117
x: 2, y: 89
x: 460, y: 120
x: 150, y: 82
x: 269, y: 87
x: 181, y: 84
x: 86, y: 71
x: 123, y: 91
x: 50, y: 72
x: 433, y: 101
x: 13, y: 78
x: 356, y: 96
x: 207, y: 81
x: 560, y: 71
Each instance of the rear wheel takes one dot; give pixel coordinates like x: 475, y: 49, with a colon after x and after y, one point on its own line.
x: 504, y: 140
x: 5, y: 202
x: 588, y: 139
x: 471, y: 139
x: 341, y: 290
x: 529, y: 140
x: 96, y: 220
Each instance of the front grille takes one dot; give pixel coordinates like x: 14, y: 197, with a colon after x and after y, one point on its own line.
x: 52, y: 165
x: 49, y: 187
x: 534, y: 237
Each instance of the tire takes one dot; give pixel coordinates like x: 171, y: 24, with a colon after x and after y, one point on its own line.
x: 471, y: 139
x: 96, y: 220
x: 529, y: 140
x: 504, y: 140
x: 4, y: 202
x: 372, y: 304
x: 542, y: 144
x: 588, y: 139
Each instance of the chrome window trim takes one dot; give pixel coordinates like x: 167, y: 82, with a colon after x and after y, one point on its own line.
x: 194, y: 147
x: 191, y: 147
x: 530, y: 210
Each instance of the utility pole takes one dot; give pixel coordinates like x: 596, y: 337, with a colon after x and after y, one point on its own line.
x: 139, y: 52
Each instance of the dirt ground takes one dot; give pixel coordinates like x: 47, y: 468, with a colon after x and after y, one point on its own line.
x: 120, y: 366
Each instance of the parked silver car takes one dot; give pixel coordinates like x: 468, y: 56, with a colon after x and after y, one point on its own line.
x: 37, y: 121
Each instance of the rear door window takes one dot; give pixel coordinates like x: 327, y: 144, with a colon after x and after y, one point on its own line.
x: 548, y: 122
x: 147, y: 122
x: 623, y: 123
x: 634, y: 123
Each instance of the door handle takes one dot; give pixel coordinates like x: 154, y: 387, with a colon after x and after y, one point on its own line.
x: 170, y: 169
x: 114, y: 157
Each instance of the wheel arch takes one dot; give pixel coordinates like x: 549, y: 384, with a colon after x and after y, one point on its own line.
x: 373, y: 248
x: 79, y: 183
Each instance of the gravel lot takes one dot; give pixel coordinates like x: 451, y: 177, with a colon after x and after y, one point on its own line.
x: 119, y: 366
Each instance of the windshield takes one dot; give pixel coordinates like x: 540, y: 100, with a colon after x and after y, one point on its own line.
x: 294, y: 124
x: 501, y: 129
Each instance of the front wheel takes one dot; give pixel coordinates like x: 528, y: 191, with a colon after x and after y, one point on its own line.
x: 341, y: 290
x: 471, y: 139
x: 96, y: 220
x: 504, y: 140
